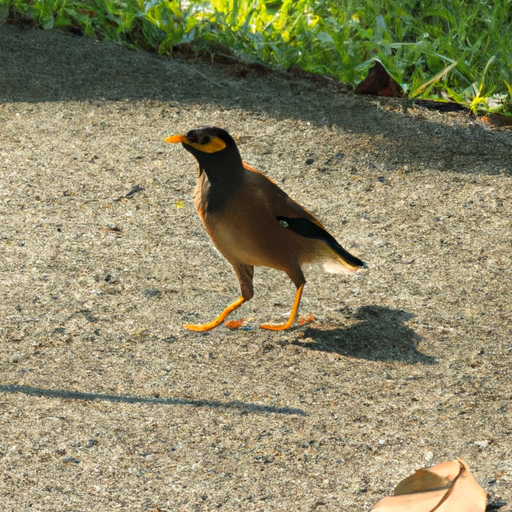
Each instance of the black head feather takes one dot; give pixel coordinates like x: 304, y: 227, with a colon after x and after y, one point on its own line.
x: 222, y: 164
x: 204, y: 135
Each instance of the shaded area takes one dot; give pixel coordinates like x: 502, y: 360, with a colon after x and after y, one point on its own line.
x: 59, y: 66
x: 77, y: 395
x: 381, y: 335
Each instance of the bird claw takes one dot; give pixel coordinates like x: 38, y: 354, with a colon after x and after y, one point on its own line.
x: 201, y: 328
x: 215, y: 323
x: 278, y: 327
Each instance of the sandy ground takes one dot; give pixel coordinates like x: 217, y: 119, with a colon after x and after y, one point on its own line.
x: 107, y: 403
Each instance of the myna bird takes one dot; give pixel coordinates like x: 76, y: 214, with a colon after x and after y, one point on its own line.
x: 252, y: 222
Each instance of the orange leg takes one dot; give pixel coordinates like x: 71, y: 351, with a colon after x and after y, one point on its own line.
x: 219, y: 319
x: 295, y: 308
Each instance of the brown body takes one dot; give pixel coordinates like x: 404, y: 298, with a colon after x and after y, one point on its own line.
x: 243, y: 211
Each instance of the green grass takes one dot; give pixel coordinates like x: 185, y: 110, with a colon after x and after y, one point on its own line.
x: 461, y: 48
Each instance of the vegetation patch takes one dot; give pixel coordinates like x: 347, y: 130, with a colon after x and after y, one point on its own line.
x: 458, y: 50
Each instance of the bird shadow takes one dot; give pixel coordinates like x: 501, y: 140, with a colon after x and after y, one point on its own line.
x: 381, y: 334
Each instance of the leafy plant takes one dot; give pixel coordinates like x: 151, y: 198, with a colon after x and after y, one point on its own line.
x: 462, y: 48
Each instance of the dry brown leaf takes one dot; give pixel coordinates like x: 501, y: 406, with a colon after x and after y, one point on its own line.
x: 446, y: 487
x: 379, y: 83
x: 497, y: 120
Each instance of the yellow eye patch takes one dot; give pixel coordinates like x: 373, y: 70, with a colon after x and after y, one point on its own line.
x: 212, y: 146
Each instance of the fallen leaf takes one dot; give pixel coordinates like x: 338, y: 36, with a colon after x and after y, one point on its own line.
x: 446, y: 487
x: 497, y: 120
x: 379, y: 83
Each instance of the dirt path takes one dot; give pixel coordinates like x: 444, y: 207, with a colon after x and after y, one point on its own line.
x: 107, y: 403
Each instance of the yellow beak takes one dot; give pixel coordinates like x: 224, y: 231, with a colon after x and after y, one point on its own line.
x: 212, y: 146
x: 174, y: 139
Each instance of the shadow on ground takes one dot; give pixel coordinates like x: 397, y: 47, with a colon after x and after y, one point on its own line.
x: 58, y: 66
x: 78, y: 395
x: 380, y: 335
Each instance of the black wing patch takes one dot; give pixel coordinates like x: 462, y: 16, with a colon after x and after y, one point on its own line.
x: 308, y: 229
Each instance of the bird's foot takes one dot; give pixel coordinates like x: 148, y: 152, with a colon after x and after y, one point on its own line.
x: 214, y: 323
x: 202, y: 327
x: 287, y: 325
x: 278, y: 327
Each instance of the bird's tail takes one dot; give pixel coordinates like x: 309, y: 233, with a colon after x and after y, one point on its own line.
x: 326, y: 251
x: 339, y: 261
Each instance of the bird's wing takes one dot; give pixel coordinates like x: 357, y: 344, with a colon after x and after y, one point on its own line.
x: 295, y: 217
x: 282, y: 204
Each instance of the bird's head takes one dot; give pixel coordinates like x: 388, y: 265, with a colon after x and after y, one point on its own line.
x: 213, y: 147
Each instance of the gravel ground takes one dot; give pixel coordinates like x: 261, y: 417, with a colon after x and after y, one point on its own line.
x: 107, y: 403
